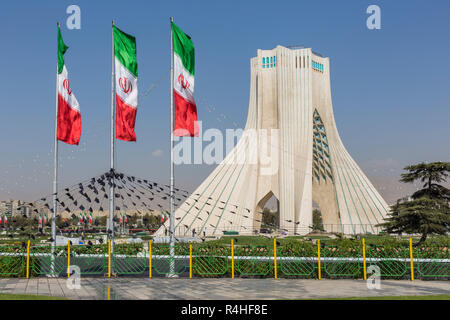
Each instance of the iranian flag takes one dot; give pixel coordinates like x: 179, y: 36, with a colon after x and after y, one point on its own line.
x: 90, y: 218
x: 164, y: 216
x: 126, y: 84
x: 69, y: 117
x: 183, y: 84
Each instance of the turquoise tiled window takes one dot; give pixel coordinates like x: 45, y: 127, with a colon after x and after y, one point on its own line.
x: 317, y: 66
x: 269, y: 62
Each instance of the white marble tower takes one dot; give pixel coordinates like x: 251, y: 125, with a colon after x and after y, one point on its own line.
x: 292, y: 150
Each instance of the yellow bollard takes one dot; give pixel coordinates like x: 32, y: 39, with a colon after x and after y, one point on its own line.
x: 109, y: 258
x: 364, y: 258
x: 318, y: 256
x: 68, y: 259
x: 190, y: 261
x: 28, y: 259
x: 411, y: 258
x: 150, y: 259
x: 275, y: 257
x: 232, y: 259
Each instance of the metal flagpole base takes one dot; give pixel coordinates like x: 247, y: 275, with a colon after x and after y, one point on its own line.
x: 171, y: 275
x: 51, y: 275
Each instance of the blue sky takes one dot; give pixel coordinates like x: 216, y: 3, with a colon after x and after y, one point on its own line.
x: 390, y: 87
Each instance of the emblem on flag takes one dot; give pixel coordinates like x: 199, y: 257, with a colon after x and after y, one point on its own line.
x: 126, y: 87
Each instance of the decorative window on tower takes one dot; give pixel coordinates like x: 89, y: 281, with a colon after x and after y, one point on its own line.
x: 268, y: 62
x: 317, y: 66
x: 321, y: 153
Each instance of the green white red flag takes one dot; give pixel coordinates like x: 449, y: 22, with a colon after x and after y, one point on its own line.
x: 185, y: 123
x: 164, y: 216
x: 69, y: 117
x: 126, y: 84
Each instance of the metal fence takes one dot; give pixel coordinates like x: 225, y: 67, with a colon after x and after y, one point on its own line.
x: 12, y: 261
x: 293, y: 259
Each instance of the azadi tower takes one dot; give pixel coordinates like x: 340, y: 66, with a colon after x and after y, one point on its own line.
x: 290, y: 149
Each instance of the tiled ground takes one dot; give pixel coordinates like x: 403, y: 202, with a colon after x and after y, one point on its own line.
x: 182, y: 288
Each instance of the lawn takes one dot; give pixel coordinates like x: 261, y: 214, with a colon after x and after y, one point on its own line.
x: 427, y: 297
x: 7, y: 296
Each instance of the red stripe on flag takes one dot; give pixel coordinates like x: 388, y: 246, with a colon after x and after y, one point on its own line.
x: 125, y: 120
x: 185, y: 117
x: 69, y: 122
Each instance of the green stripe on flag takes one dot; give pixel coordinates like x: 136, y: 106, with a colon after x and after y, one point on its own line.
x: 125, y: 50
x: 184, y: 48
x: 62, y: 48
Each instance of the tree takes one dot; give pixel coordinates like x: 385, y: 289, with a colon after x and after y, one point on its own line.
x: 269, y: 217
x: 59, y: 222
x: 429, y: 211
x: 133, y: 219
x: 146, y: 220
x: 317, y: 220
x: 102, y: 220
x: 431, y: 174
x: 423, y: 215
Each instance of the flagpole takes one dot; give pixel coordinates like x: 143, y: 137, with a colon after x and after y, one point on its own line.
x: 55, y: 163
x: 172, y: 178
x: 111, y: 187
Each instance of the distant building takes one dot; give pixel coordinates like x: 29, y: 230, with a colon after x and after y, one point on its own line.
x: 406, y: 198
x: 16, y: 207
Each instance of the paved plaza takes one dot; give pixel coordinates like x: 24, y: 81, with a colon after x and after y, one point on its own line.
x: 198, y: 289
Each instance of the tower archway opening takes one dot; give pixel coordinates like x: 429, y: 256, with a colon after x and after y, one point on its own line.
x: 269, y: 206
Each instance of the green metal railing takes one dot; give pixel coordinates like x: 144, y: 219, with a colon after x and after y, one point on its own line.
x: 433, y: 262
x: 210, y: 261
x: 253, y: 260
x: 130, y: 262
x: 298, y: 261
x: 342, y: 261
x: 165, y: 263
x: 392, y: 261
x: 12, y: 261
x: 92, y: 260
x: 294, y: 259
x: 45, y: 261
